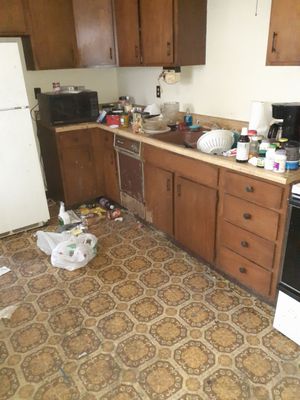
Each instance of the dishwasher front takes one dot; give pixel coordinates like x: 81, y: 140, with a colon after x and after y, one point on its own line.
x: 130, y: 173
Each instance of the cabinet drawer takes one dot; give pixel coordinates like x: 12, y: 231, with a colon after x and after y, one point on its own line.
x: 190, y: 168
x: 262, y: 193
x: 256, y: 219
x: 254, y: 248
x: 74, y: 138
x: 245, y: 271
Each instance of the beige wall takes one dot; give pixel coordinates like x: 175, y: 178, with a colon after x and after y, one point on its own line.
x: 235, y: 72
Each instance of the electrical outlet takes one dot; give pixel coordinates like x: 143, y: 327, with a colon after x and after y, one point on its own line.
x: 157, y: 91
x: 37, y: 90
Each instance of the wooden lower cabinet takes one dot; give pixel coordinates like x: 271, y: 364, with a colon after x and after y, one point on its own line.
x: 73, y: 164
x: 195, y: 217
x: 179, y: 205
x: 251, y: 227
x: 110, y: 169
x: 158, y: 186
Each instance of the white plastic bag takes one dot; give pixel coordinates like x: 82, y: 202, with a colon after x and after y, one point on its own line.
x: 47, y: 241
x: 74, y: 252
x: 67, y: 251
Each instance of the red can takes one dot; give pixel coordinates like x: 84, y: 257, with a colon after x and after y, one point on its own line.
x: 113, y: 119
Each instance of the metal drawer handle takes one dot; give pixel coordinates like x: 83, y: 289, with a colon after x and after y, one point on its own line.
x: 242, y: 270
x: 244, y: 243
x: 249, y: 189
x: 247, y: 216
x: 118, y: 141
x: 168, y: 185
x: 273, y: 42
x: 110, y: 53
x: 168, y: 48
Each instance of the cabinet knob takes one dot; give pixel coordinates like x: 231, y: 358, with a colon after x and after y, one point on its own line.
x: 247, y: 216
x: 249, y: 189
x: 110, y: 53
x: 244, y: 243
x: 242, y: 270
x: 136, y: 51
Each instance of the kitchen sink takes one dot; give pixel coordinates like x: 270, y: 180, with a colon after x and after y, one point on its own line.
x: 179, y: 138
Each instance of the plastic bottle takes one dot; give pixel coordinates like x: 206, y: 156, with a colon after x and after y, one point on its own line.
x: 269, y: 159
x: 105, y: 203
x: 63, y: 216
x: 188, y: 118
x: 279, y: 161
x: 243, y: 147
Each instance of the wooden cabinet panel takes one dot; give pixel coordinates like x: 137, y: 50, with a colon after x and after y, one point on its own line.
x: 158, y: 184
x: 157, y: 31
x: 165, y: 33
x: 52, y: 35
x: 12, y: 18
x: 261, y: 221
x: 127, y: 27
x: 110, y: 170
x: 248, y: 245
x: 195, y: 170
x: 259, y: 192
x: 195, y: 217
x: 78, y: 168
x: 245, y: 272
x: 284, y: 33
x: 94, y: 32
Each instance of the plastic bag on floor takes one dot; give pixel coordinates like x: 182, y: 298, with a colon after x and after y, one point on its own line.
x: 67, y: 251
x: 47, y: 241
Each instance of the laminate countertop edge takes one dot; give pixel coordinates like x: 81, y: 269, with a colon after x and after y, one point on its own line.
x: 286, y: 178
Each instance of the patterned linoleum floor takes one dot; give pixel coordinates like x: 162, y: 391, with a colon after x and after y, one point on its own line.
x: 143, y: 320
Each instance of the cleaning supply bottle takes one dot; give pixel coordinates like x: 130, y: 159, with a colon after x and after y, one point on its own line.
x: 188, y: 118
x: 243, y: 147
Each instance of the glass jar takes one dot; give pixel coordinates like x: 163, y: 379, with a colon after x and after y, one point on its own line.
x: 254, y: 146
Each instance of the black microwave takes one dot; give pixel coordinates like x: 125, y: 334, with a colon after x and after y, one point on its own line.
x: 67, y: 107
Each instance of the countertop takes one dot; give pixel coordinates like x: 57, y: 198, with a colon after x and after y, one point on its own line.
x: 287, y: 178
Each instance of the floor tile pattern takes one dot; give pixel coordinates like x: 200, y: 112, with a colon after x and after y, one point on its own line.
x: 144, y: 320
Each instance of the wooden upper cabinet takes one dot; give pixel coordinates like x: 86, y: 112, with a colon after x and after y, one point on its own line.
x: 127, y: 26
x: 161, y: 32
x: 12, y: 19
x: 94, y: 32
x: 52, y: 35
x: 284, y: 33
x: 157, y: 32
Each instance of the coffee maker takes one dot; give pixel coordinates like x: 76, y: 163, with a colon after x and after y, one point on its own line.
x: 289, y: 113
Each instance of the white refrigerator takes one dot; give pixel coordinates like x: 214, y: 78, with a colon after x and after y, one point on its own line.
x: 23, y: 203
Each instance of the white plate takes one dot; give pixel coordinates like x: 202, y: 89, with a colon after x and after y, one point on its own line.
x: 152, y: 132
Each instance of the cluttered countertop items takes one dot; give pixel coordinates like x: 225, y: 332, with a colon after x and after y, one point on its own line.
x: 268, y: 148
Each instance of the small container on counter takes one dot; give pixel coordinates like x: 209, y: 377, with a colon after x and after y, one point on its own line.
x: 292, y: 155
x: 279, y: 161
x: 243, y: 146
x: 269, y: 158
x: 282, y: 143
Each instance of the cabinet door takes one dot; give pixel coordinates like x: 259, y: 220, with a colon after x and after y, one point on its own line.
x: 157, y: 31
x: 12, y: 19
x: 110, y: 171
x: 195, y: 217
x: 284, y: 33
x: 158, y: 185
x: 77, y: 165
x: 52, y: 35
x: 94, y: 32
x: 127, y: 26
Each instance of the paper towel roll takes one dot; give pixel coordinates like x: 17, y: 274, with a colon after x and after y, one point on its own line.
x: 260, y: 117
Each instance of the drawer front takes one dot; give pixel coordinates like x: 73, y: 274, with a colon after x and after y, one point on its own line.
x: 256, y: 219
x: 190, y: 168
x: 244, y: 271
x: 262, y: 193
x: 74, y: 138
x: 248, y: 245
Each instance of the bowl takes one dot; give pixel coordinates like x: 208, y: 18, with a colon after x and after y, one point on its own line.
x: 215, y: 141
